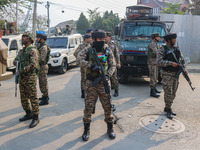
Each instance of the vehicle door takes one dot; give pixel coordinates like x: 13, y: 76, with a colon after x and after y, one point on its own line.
x: 71, y: 50
x: 12, y: 53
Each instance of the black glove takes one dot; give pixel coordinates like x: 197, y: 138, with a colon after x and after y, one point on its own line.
x: 95, y: 68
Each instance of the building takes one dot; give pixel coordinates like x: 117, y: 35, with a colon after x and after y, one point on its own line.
x: 159, y: 4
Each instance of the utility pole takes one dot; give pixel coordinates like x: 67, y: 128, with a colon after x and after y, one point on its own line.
x: 34, y: 17
x: 17, y: 16
x: 48, y: 21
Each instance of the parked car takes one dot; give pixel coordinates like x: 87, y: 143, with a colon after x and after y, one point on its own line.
x: 62, y: 50
x: 14, y: 44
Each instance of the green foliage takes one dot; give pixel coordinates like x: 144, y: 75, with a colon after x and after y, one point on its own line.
x: 195, y: 7
x: 107, y: 22
x: 172, y: 9
x: 82, y: 24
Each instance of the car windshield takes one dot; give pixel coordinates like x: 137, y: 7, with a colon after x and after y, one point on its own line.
x: 143, y: 29
x: 57, y: 42
x: 5, y: 41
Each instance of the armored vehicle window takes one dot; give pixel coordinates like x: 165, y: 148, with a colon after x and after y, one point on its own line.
x: 143, y: 29
x: 57, y: 42
x: 13, y: 45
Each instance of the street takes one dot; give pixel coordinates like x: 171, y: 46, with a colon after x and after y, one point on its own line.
x: 61, y: 125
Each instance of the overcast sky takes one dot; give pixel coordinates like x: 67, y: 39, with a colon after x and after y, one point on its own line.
x: 73, y: 8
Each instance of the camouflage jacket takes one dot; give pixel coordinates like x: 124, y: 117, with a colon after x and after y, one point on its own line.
x: 80, y: 48
x: 85, y: 63
x: 152, y: 52
x: 115, y: 51
x: 42, y: 54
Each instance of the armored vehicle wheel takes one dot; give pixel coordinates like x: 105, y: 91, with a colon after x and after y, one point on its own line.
x: 63, y: 67
x: 122, y: 79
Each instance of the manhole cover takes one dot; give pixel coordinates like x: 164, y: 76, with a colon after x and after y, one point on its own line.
x: 161, y: 124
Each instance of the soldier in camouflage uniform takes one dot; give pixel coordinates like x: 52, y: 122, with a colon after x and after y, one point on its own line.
x: 153, y: 64
x: 113, y: 47
x: 87, y: 41
x: 106, y: 58
x: 44, y: 53
x: 28, y: 67
x: 168, y: 56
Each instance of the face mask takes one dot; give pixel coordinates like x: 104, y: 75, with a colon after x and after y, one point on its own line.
x: 98, y: 45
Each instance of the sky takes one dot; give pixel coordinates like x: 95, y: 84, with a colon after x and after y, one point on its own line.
x: 73, y: 8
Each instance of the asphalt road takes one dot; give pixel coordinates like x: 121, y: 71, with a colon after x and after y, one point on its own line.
x: 61, y: 124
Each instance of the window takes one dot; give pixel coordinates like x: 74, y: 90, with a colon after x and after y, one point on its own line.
x: 57, y: 42
x: 13, y: 45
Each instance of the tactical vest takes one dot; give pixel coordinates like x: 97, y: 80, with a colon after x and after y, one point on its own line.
x: 25, y: 60
x: 150, y: 52
x: 103, y: 58
x: 170, y: 57
x: 48, y: 52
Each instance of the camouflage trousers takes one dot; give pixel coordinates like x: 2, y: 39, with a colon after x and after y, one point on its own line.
x: 83, y: 77
x: 170, y: 86
x: 114, y: 80
x: 43, y: 83
x: 153, y: 75
x: 92, y: 94
x: 28, y: 93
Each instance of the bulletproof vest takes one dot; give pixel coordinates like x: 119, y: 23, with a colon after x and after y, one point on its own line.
x: 25, y: 59
x: 103, y: 58
x: 150, y: 53
x: 170, y: 57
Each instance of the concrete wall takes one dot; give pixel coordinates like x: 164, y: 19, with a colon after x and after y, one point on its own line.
x: 187, y: 28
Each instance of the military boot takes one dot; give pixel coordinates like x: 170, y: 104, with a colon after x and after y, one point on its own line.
x: 28, y: 116
x: 169, y: 114
x: 44, y: 101
x: 41, y: 98
x: 116, y: 93
x: 157, y: 91
x: 34, y: 122
x: 82, y: 94
x: 110, y: 131
x: 172, y: 113
x: 86, y: 132
x: 113, y: 107
x: 153, y: 93
x: 93, y: 112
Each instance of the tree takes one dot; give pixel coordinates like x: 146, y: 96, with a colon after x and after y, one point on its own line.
x: 41, y: 23
x: 93, y: 15
x: 172, y: 9
x: 82, y: 24
x: 195, y: 7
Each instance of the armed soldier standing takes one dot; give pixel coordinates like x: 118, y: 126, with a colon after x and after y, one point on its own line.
x: 153, y: 64
x: 87, y: 40
x: 44, y: 53
x: 106, y: 58
x: 113, y: 47
x: 28, y: 67
x: 168, y: 56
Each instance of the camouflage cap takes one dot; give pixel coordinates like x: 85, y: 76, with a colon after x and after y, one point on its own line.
x: 108, y: 34
x: 29, y: 35
x: 155, y: 35
x: 170, y: 36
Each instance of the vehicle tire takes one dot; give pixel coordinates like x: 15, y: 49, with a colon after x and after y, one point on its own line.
x: 63, y: 67
x: 122, y: 79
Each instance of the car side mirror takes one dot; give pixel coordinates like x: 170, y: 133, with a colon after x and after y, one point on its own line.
x: 71, y: 46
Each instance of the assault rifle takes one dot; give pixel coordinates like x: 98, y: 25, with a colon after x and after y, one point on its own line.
x: 102, y: 76
x: 16, y: 76
x: 183, y: 70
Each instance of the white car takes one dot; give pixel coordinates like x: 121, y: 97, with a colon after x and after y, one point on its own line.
x: 62, y: 50
x: 14, y: 44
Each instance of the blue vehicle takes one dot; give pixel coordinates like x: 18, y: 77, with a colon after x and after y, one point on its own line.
x: 133, y: 36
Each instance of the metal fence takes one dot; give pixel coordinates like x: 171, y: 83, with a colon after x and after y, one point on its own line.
x: 187, y: 28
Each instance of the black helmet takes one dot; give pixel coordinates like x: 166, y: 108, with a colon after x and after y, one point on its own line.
x: 43, y: 36
x: 170, y: 36
x: 98, y: 34
x: 155, y: 35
